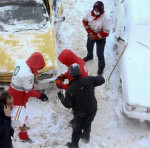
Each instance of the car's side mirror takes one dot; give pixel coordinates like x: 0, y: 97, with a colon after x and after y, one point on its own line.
x: 59, y: 19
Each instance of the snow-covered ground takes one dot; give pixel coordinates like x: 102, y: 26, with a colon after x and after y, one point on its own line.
x: 49, y: 121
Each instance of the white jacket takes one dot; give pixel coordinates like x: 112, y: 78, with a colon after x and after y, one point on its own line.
x: 23, y: 78
x: 102, y: 23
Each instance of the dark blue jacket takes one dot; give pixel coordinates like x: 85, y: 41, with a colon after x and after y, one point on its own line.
x: 6, y: 130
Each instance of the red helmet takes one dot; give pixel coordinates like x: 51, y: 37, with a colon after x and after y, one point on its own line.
x: 99, y: 5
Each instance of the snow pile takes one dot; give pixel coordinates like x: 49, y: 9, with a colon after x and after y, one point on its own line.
x: 50, y: 120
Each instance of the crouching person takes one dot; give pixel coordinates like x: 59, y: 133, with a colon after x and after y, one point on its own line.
x: 22, y: 85
x: 6, y: 131
x: 81, y: 98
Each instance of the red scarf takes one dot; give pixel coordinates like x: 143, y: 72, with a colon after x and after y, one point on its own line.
x: 96, y: 16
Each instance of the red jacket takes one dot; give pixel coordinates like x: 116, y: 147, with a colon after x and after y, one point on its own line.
x: 21, y: 87
x: 67, y: 57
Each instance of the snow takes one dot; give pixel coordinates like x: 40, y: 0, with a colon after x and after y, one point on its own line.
x: 49, y: 121
x: 138, y: 6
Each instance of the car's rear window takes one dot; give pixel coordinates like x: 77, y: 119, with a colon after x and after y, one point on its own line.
x: 15, y: 16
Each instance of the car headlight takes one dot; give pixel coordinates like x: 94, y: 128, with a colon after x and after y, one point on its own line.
x: 44, y: 76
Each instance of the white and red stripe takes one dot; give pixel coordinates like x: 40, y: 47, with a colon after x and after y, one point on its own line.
x: 100, y: 26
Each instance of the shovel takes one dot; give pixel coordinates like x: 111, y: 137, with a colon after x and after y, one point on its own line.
x: 121, y: 41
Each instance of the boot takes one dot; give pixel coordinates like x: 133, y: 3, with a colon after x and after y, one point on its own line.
x: 87, y: 58
x: 86, y: 139
x: 71, y: 145
x: 100, y: 72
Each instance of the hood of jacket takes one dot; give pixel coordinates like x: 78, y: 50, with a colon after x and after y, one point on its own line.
x: 67, y: 57
x: 36, y: 62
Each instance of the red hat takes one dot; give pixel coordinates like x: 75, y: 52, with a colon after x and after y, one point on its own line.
x: 99, y: 5
x: 36, y: 62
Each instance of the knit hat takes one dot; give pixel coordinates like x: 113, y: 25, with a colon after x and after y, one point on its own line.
x: 99, y: 5
x: 74, y: 70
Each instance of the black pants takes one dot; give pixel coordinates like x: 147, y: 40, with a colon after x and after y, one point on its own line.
x: 100, y: 45
x: 82, y: 126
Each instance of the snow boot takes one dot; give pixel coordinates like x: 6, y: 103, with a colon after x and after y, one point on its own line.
x: 100, y: 72
x: 87, y: 58
x: 86, y: 139
x: 71, y: 145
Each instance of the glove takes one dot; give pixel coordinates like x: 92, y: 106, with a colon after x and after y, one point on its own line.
x: 58, y: 83
x: 43, y: 97
x: 60, y: 96
x: 62, y: 76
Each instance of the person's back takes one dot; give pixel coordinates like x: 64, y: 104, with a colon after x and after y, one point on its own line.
x: 82, y: 93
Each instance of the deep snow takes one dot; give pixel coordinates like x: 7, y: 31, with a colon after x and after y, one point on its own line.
x: 110, y: 129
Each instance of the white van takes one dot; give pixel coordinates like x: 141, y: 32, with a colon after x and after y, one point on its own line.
x: 133, y: 26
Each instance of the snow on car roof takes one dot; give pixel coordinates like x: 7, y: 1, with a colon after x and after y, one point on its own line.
x: 141, y: 11
x: 135, y: 62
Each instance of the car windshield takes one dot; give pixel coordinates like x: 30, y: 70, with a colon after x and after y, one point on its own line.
x: 21, y: 15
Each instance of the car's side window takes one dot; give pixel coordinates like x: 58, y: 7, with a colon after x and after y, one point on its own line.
x: 47, y: 6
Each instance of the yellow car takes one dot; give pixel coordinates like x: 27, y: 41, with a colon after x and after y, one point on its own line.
x: 27, y: 27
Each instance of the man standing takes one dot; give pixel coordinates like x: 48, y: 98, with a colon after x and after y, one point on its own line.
x: 80, y: 97
x: 97, y: 26
x: 21, y: 87
x: 6, y: 131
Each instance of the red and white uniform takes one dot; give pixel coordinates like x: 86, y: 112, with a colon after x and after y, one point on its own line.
x: 99, y: 25
x: 21, y: 87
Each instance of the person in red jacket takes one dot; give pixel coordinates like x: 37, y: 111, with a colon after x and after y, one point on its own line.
x: 97, y: 26
x: 67, y: 57
x: 21, y: 87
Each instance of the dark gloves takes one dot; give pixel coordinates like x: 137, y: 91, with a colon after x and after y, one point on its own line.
x: 43, y: 97
x: 62, y: 76
x: 59, y: 80
x: 60, y: 96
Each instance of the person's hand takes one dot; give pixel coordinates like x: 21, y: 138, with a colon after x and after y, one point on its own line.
x: 62, y: 77
x: 91, y: 35
x: 7, y: 111
x: 60, y: 96
x: 43, y: 97
x: 58, y: 83
x: 23, y: 128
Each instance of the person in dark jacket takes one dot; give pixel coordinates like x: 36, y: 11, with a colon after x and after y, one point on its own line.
x: 6, y: 131
x: 80, y: 97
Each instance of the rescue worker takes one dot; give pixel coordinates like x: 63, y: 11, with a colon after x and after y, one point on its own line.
x: 80, y: 97
x: 97, y: 25
x: 21, y: 87
x: 68, y: 57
